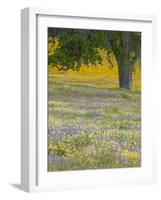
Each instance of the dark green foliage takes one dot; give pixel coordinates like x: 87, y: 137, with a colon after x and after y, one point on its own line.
x: 76, y: 47
x: 126, y: 46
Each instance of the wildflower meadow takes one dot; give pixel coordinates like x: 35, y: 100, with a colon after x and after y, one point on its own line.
x: 93, y: 123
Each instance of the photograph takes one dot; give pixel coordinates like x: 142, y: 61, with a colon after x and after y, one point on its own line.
x: 94, y: 99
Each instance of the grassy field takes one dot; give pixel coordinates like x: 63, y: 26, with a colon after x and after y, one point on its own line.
x: 95, y: 76
x: 91, y: 123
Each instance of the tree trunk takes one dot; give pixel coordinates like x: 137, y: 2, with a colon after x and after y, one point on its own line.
x: 125, y: 77
x: 125, y: 68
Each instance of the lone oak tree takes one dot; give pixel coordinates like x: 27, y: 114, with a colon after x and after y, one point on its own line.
x: 78, y: 47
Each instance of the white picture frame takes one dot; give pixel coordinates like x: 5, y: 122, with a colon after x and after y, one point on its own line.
x: 33, y: 142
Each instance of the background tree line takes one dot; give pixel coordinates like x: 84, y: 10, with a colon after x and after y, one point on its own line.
x: 78, y: 46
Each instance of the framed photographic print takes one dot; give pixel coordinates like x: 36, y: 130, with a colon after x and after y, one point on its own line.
x: 86, y: 99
